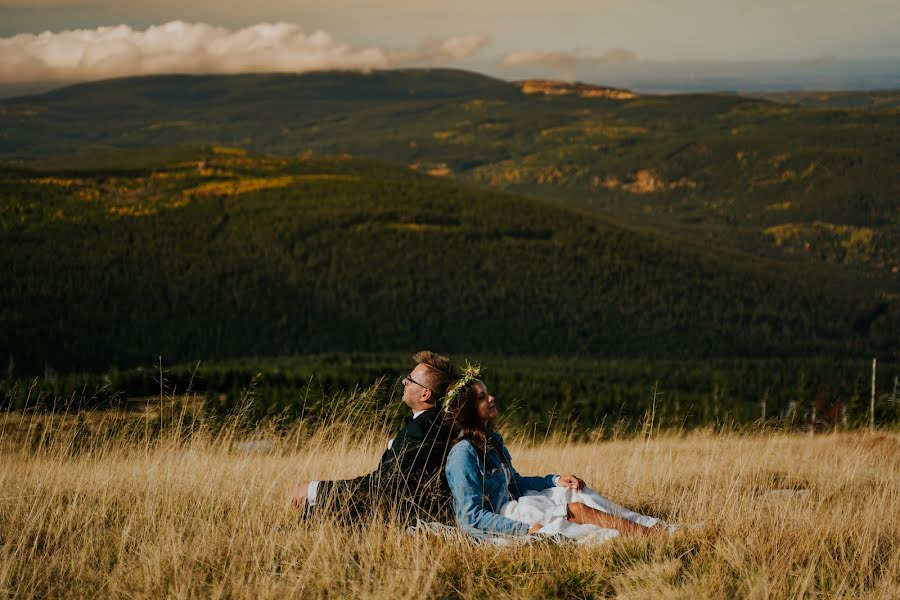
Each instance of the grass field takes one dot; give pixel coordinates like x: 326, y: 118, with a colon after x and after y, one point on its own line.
x: 102, y: 505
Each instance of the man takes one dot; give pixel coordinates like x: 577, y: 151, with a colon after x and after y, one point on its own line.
x: 409, y: 481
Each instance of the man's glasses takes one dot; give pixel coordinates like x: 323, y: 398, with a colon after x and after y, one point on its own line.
x: 407, y: 380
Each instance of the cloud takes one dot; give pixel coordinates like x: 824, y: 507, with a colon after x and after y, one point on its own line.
x: 435, y: 50
x: 180, y: 47
x: 562, y: 65
x: 528, y: 58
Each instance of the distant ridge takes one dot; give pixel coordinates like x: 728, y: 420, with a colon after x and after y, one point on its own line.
x: 551, y: 87
x: 875, y: 99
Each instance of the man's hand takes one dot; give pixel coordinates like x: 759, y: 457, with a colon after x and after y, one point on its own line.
x: 570, y: 481
x: 535, y: 528
x: 298, y: 496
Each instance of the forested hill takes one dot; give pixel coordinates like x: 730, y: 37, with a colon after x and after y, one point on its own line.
x: 214, y: 254
x: 800, y: 184
x: 888, y: 100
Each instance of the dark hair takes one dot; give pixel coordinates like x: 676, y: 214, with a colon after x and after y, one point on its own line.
x: 441, y: 371
x: 462, y: 417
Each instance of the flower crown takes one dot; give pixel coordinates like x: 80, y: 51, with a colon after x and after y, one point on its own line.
x: 470, y: 373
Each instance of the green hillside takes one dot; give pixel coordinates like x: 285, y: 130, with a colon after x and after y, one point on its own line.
x: 810, y: 185
x: 879, y: 99
x: 216, y: 254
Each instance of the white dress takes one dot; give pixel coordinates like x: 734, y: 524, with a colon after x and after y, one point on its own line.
x: 549, y: 507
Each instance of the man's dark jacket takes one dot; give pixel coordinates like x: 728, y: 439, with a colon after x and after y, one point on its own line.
x: 408, y: 483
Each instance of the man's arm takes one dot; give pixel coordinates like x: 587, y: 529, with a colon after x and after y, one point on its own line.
x: 402, y: 467
x: 305, y: 494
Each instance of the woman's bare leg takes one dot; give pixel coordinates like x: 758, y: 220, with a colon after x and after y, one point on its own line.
x: 581, y: 513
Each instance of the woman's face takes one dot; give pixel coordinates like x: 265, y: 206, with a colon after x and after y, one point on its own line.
x: 485, y: 404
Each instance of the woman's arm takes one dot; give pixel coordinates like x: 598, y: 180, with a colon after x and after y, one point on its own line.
x: 465, y: 480
x: 526, y: 484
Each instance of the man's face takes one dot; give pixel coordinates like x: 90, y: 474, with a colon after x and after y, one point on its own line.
x: 415, y: 390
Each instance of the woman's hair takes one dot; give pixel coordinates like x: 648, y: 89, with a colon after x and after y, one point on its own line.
x: 462, y: 417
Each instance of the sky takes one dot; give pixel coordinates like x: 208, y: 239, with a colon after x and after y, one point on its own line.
x: 678, y: 44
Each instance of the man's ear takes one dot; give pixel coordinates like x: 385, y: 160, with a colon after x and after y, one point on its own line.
x: 427, y: 396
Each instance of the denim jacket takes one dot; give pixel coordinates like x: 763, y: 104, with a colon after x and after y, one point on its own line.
x: 480, y: 487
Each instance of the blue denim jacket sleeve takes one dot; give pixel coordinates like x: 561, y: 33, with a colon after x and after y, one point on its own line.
x: 464, y: 475
x: 520, y: 485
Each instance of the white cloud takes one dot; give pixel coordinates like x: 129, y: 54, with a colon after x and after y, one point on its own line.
x: 561, y: 65
x: 436, y: 50
x: 179, y: 47
x: 526, y: 58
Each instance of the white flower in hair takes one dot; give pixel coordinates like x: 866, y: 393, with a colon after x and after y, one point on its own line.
x: 470, y: 373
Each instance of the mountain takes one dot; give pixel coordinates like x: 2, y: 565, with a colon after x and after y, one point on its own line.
x: 806, y: 185
x: 218, y: 253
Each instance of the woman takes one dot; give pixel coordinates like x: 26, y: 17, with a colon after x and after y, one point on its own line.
x: 490, y: 497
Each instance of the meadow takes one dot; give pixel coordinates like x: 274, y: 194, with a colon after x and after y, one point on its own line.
x: 159, y: 504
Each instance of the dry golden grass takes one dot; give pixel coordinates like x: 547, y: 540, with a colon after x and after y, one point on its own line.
x: 87, y: 515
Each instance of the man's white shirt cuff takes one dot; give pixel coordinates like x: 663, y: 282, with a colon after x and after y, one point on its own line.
x: 311, y: 491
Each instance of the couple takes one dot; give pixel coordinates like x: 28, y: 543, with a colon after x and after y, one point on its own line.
x: 448, y: 464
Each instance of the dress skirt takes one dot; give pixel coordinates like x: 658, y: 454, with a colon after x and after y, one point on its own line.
x: 549, y: 507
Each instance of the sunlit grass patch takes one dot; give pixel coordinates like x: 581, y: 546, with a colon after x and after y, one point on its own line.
x: 848, y: 236
x: 236, y: 187
x: 227, y: 151
x: 169, y: 504
x: 65, y: 182
x: 131, y: 211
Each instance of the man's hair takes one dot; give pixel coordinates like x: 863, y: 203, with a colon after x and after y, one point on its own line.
x: 441, y: 372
